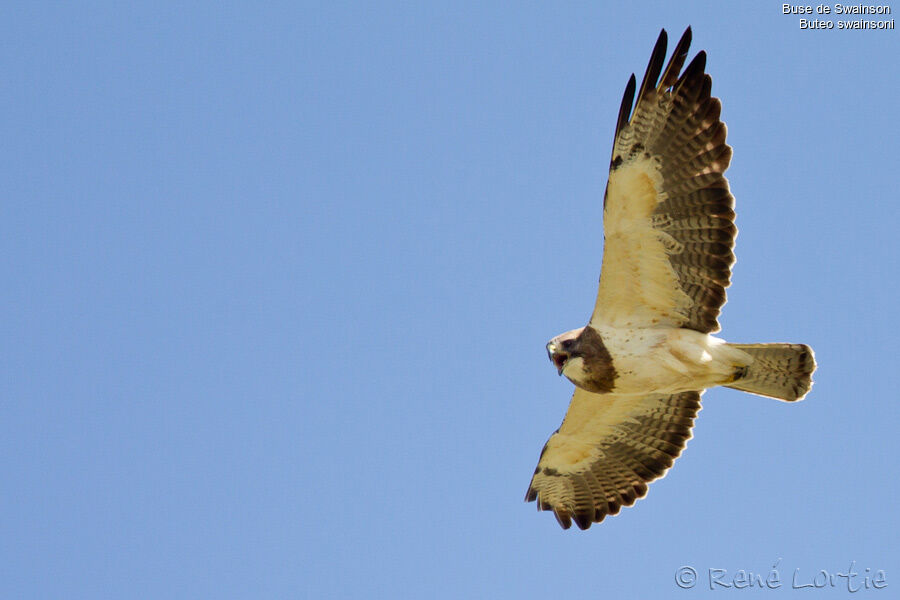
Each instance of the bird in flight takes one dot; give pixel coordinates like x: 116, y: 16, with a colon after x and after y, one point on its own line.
x: 641, y: 363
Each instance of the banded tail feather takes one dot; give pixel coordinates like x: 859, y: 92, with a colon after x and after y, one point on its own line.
x: 780, y: 371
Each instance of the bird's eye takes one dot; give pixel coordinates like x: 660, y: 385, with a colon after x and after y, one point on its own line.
x: 567, y: 344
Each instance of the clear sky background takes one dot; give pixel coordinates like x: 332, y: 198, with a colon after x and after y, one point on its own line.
x: 277, y: 281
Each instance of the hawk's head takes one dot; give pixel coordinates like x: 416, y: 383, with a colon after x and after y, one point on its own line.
x: 582, y: 357
x: 564, y: 347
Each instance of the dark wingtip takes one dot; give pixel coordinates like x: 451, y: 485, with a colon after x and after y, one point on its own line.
x: 654, y: 66
x: 663, y: 39
x: 694, y: 70
x: 625, y: 107
x: 686, y: 39
x: 670, y: 75
x: 583, y: 520
x: 701, y: 60
x: 563, y: 518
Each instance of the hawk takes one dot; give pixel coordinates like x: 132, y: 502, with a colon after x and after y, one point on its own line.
x: 646, y: 356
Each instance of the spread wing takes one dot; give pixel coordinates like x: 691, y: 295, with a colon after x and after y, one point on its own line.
x: 607, y: 450
x: 668, y: 215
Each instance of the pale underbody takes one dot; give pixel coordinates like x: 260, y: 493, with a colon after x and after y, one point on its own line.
x: 664, y: 360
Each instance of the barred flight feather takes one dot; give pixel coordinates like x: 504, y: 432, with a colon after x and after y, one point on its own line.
x: 674, y: 141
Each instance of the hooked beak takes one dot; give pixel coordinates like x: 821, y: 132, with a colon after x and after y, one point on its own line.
x: 557, y: 357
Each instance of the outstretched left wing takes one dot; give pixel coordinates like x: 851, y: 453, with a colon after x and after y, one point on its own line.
x: 607, y: 450
x: 668, y: 215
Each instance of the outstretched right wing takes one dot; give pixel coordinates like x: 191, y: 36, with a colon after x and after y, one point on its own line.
x: 607, y: 450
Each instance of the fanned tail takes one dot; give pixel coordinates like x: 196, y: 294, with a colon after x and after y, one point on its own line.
x: 781, y: 371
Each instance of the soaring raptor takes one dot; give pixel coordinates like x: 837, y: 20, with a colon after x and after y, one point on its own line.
x: 641, y: 363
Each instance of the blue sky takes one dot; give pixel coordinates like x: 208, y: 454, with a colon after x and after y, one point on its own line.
x: 278, y: 280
